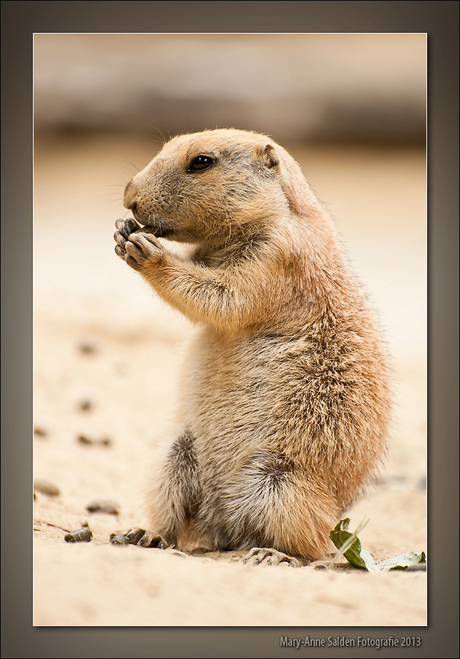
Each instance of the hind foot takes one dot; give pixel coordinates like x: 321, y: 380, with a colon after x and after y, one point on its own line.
x: 259, y: 556
x: 140, y: 537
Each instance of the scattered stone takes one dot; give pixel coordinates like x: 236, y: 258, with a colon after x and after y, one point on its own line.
x: 88, y: 347
x: 83, y: 439
x: 86, y: 405
x: 103, y: 506
x: 46, y: 488
x: 80, y: 535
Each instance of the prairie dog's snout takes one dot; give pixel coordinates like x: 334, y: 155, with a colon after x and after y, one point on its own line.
x: 138, y: 187
x: 129, y: 196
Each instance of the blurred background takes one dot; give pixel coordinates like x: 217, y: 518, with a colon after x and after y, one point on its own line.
x: 350, y: 108
x: 322, y: 87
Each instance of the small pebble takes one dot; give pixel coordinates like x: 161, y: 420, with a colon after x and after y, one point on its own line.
x: 81, y: 535
x: 86, y: 405
x: 87, y: 347
x: 102, y: 506
x: 46, y: 488
x: 83, y: 439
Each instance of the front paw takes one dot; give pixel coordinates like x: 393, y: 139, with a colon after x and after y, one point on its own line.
x: 135, y: 246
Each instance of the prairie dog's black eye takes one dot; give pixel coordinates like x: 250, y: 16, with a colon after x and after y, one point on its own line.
x: 200, y: 162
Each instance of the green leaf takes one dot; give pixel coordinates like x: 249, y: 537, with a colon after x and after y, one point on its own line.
x: 342, y: 539
x: 349, y: 545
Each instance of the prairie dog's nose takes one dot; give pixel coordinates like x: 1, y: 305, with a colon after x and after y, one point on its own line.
x: 130, y: 194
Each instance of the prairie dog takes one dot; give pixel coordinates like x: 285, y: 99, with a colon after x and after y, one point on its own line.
x: 286, y: 403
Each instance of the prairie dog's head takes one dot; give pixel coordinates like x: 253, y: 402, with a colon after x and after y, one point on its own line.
x: 206, y: 186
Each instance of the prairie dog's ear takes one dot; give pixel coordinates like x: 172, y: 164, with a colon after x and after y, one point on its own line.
x: 268, y: 156
x: 298, y: 193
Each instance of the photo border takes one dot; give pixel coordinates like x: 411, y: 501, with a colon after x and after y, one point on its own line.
x: 20, y: 20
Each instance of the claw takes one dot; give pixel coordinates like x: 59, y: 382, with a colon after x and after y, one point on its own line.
x: 150, y: 539
x: 120, y: 225
x: 119, y: 238
x: 126, y: 227
x: 120, y: 252
x: 134, y: 535
x: 118, y: 539
x: 132, y: 225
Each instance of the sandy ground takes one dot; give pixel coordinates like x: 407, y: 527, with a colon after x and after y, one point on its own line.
x: 107, y: 356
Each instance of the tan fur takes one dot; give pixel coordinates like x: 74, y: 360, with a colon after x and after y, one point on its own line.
x: 286, y: 403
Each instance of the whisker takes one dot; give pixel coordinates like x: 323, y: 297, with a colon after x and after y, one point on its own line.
x: 116, y: 201
x: 128, y: 162
x: 163, y: 138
